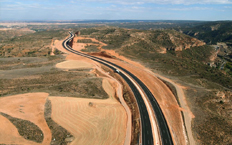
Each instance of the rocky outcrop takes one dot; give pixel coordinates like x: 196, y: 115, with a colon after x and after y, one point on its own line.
x: 182, y: 41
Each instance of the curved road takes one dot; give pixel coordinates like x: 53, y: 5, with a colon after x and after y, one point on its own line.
x: 147, y: 137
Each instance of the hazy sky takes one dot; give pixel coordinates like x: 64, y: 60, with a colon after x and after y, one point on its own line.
x: 116, y: 9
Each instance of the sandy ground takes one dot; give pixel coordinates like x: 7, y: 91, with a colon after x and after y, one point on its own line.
x: 102, y: 122
x: 53, y: 48
x: 27, y: 107
x: 74, y: 64
x: 113, y: 87
x: 58, y: 45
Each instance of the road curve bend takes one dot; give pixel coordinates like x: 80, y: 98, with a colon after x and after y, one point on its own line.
x: 147, y: 133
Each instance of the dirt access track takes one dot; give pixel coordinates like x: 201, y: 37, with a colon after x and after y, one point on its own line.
x: 164, y: 96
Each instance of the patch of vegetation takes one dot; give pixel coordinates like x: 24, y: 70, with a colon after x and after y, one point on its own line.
x: 28, y: 62
x: 57, y: 52
x: 86, y: 41
x: 161, y: 38
x: 91, y: 48
x: 84, y: 88
x: 222, y: 135
x: 32, y: 44
x: 214, y: 125
x: 42, y: 83
x: 115, y: 41
x: 211, y: 32
x: 59, y: 134
x: 88, y: 31
x: 76, y: 83
x: 11, y: 34
x: 108, y: 31
x: 228, y: 68
x: 189, y: 62
x: 26, y: 129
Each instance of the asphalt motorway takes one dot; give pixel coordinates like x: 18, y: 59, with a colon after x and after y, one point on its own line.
x: 147, y: 137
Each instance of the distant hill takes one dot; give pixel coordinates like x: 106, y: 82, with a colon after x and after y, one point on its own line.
x: 154, y: 40
x: 211, y: 32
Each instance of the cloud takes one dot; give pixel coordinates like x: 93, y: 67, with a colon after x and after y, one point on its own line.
x: 228, y: 7
x: 190, y: 8
x: 139, y: 2
x: 114, y: 8
x: 17, y: 6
